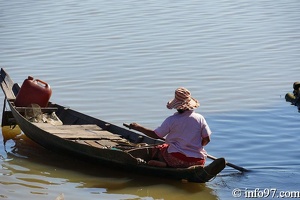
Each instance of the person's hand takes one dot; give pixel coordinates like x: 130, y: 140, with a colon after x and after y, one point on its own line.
x: 134, y: 126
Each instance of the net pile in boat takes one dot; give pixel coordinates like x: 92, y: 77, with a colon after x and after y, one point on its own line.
x: 35, y: 114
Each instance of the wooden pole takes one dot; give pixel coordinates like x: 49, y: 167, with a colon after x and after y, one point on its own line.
x: 230, y: 164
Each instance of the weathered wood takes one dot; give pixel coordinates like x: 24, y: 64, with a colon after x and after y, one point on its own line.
x: 43, y: 109
x: 72, y: 132
x: 79, y: 141
x: 94, y: 144
x: 7, y: 91
x: 7, y: 85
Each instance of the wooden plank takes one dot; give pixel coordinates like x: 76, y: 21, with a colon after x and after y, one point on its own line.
x: 73, y: 132
x: 7, y: 84
x: 8, y: 93
x: 79, y: 141
x: 43, y: 109
x: 107, y: 143
x: 94, y: 144
x: 89, y: 134
x: 98, y: 143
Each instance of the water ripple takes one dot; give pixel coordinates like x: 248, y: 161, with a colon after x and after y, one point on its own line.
x: 121, y: 62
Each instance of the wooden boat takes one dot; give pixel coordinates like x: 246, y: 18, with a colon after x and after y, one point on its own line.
x: 95, y: 140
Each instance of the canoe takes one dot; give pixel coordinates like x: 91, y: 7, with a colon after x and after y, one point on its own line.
x: 67, y: 131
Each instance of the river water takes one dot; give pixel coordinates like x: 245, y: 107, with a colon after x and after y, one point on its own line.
x: 122, y: 61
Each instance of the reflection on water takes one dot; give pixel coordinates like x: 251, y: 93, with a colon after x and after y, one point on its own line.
x: 10, y: 133
x: 121, y: 62
x: 27, y: 167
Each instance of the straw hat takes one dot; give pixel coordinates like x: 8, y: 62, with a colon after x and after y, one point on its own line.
x: 183, y: 100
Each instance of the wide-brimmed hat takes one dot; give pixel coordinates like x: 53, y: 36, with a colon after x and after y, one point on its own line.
x: 183, y: 100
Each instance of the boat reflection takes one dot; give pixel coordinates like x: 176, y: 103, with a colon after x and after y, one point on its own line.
x: 9, y: 132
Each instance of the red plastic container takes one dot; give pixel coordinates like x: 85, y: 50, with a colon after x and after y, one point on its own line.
x: 33, y: 91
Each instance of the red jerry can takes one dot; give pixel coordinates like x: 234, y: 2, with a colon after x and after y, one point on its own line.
x: 33, y: 91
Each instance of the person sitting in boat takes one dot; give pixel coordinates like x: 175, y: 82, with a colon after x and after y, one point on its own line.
x: 186, y: 133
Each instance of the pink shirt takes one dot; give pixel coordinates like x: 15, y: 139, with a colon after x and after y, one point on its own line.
x: 184, y: 133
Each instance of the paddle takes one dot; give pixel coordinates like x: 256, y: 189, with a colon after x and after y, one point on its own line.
x: 230, y: 164
x: 212, y: 157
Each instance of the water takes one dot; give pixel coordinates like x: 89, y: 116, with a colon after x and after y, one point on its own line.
x: 122, y: 61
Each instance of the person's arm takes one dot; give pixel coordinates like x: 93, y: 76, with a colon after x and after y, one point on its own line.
x: 205, y: 141
x: 146, y: 131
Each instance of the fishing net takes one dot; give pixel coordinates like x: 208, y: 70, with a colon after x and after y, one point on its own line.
x: 35, y: 114
x: 52, y: 119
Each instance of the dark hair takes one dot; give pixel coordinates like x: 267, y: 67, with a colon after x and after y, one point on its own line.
x: 180, y: 110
